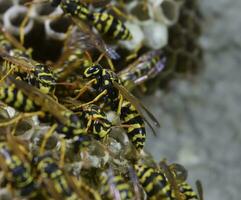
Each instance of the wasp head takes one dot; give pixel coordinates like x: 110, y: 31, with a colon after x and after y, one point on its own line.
x: 93, y: 71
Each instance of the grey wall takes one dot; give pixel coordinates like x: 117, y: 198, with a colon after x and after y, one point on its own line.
x: 201, y: 117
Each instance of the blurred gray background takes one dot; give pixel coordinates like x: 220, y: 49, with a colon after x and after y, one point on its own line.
x: 201, y: 118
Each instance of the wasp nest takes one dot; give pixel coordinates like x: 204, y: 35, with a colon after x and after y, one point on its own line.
x: 70, y: 127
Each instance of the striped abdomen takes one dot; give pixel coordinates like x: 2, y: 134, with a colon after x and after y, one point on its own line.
x: 15, y: 98
x: 108, y: 25
x: 155, y: 184
x: 187, y: 191
x: 115, y: 184
x: 50, y: 171
x: 18, y: 173
x: 136, y: 132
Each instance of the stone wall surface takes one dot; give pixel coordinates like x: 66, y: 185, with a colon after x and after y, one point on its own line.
x: 201, y: 116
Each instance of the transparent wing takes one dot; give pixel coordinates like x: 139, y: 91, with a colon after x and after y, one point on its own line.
x: 11, y: 39
x: 22, y: 62
x: 138, y: 105
x: 87, y: 39
x: 199, y: 189
x: 45, y: 101
x: 168, y: 173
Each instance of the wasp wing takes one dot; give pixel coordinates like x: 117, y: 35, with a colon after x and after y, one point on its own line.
x: 167, y: 172
x: 199, y: 189
x: 45, y: 101
x: 89, y: 40
x: 12, y: 39
x: 21, y: 62
x: 138, y: 105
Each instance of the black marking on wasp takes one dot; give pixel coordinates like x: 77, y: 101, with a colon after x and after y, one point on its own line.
x: 30, y: 71
x: 54, y: 179
x: 115, y: 186
x: 154, y: 183
x: 17, y: 171
x: 143, y: 69
x: 114, y: 95
x: 104, y: 22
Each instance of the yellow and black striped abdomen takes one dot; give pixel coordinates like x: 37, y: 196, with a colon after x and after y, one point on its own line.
x: 116, y: 184
x: 155, y: 184
x: 15, y: 98
x: 50, y: 170
x: 108, y: 25
x: 18, y: 173
x: 187, y: 191
x: 136, y: 132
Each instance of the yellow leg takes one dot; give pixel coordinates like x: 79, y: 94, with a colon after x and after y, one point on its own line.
x: 63, y: 150
x: 6, y: 75
x: 84, y: 89
x: 21, y: 29
x: 108, y: 60
x: 119, y: 12
x: 110, y: 63
x: 88, y: 56
x: 120, y: 104
x: 99, y: 58
x: 91, y: 102
x: 46, y: 137
x: 134, y: 54
x: 88, y: 125
x: 20, y: 117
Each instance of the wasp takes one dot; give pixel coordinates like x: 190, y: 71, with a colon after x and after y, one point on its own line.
x: 53, y: 179
x: 110, y: 91
x: 17, y: 170
x: 35, y: 73
x: 96, y: 121
x: 68, y: 122
x: 26, y: 98
x: 177, y: 176
x: 64, y: 121
x: 104, y: 22
x: 154, y: 183
x: 115, y: 186
x: 59, y: 184
x: 144, y: 68
x: 187, y: 191
x: 15, y: 98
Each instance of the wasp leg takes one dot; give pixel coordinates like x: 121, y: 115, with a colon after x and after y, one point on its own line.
x: 120, y: 104
x: 108, y: 60
x: 110, y: 63
x: 20, y: 117
x: 135, y: 53
x: 89, y: 124
x: 93, y: 101
x: 21, y: 28
x: 63, y: 150
x: 84, y: 89
x: 46, y: 137
x: 118, y: 12
x: 6, y: 75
